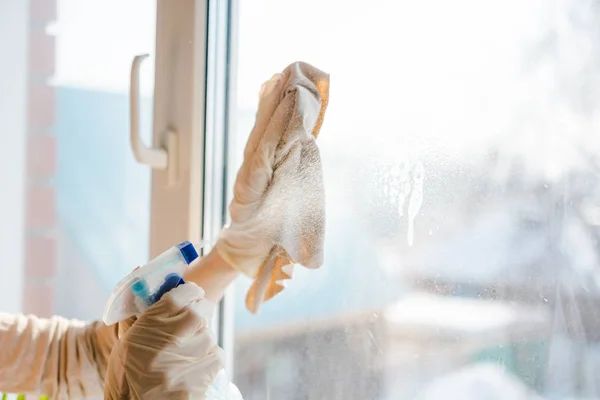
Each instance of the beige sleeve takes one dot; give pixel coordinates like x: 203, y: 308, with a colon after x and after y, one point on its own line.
x: 56, y: 357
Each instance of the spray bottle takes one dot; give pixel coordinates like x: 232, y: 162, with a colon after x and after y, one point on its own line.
x: 146, y: 285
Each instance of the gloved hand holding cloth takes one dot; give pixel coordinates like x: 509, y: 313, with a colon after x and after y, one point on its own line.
x: 278, y: 209
x: 277, y: 221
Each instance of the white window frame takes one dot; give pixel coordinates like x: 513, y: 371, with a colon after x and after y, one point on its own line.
x: 192, y: 95
x: 179, y: 94
x: 218, y: 182
x: 14, y: 32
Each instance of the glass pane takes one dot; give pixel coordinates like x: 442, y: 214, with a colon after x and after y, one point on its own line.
x: 460, y: 152
x: 85, y: 222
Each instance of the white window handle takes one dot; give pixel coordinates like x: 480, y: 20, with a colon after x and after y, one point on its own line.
x: 156, y: 158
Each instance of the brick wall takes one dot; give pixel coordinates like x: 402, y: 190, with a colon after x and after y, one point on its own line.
x: 41, y: 160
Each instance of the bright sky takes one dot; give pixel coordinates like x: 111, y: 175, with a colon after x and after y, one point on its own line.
x: 406, y: 73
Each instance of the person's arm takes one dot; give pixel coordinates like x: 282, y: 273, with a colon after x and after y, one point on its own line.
x: 212, y: 274
x: 55, y: 357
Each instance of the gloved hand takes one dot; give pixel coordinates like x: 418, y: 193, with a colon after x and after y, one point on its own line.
x: 278, y: 206
x: 168, y: 352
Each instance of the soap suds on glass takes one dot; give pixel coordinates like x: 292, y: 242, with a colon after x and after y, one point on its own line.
x: 403, y: 183
x: 416, y: 200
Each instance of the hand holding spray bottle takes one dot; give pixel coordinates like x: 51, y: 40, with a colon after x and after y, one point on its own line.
x: 146, y: 285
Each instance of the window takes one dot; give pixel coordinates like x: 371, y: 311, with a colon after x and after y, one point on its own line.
x: 77, y: 212
x: 85, y: 201
x: 80, y: 212
x: 460, y: 153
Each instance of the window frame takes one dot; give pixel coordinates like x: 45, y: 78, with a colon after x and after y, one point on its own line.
x: 219, y: 178
x: 179, y: 91
x: 192, y: 97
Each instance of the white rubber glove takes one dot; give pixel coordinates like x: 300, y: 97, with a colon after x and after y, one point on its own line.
x: 278, y: 207
x: 168, y: 352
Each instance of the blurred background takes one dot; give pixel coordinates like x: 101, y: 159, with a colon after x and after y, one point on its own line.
x: 461, y: 156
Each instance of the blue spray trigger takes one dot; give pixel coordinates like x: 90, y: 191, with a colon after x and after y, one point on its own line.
x: 171, y: 282
x: 147, y: 284
x: 141, y: 290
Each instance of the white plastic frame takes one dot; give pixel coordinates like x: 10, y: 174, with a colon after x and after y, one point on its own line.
x: 191, y: 102
x: 179, y: 101
x: 218, y: 183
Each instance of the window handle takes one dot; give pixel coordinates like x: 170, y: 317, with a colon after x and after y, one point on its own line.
x: 162, y: 158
